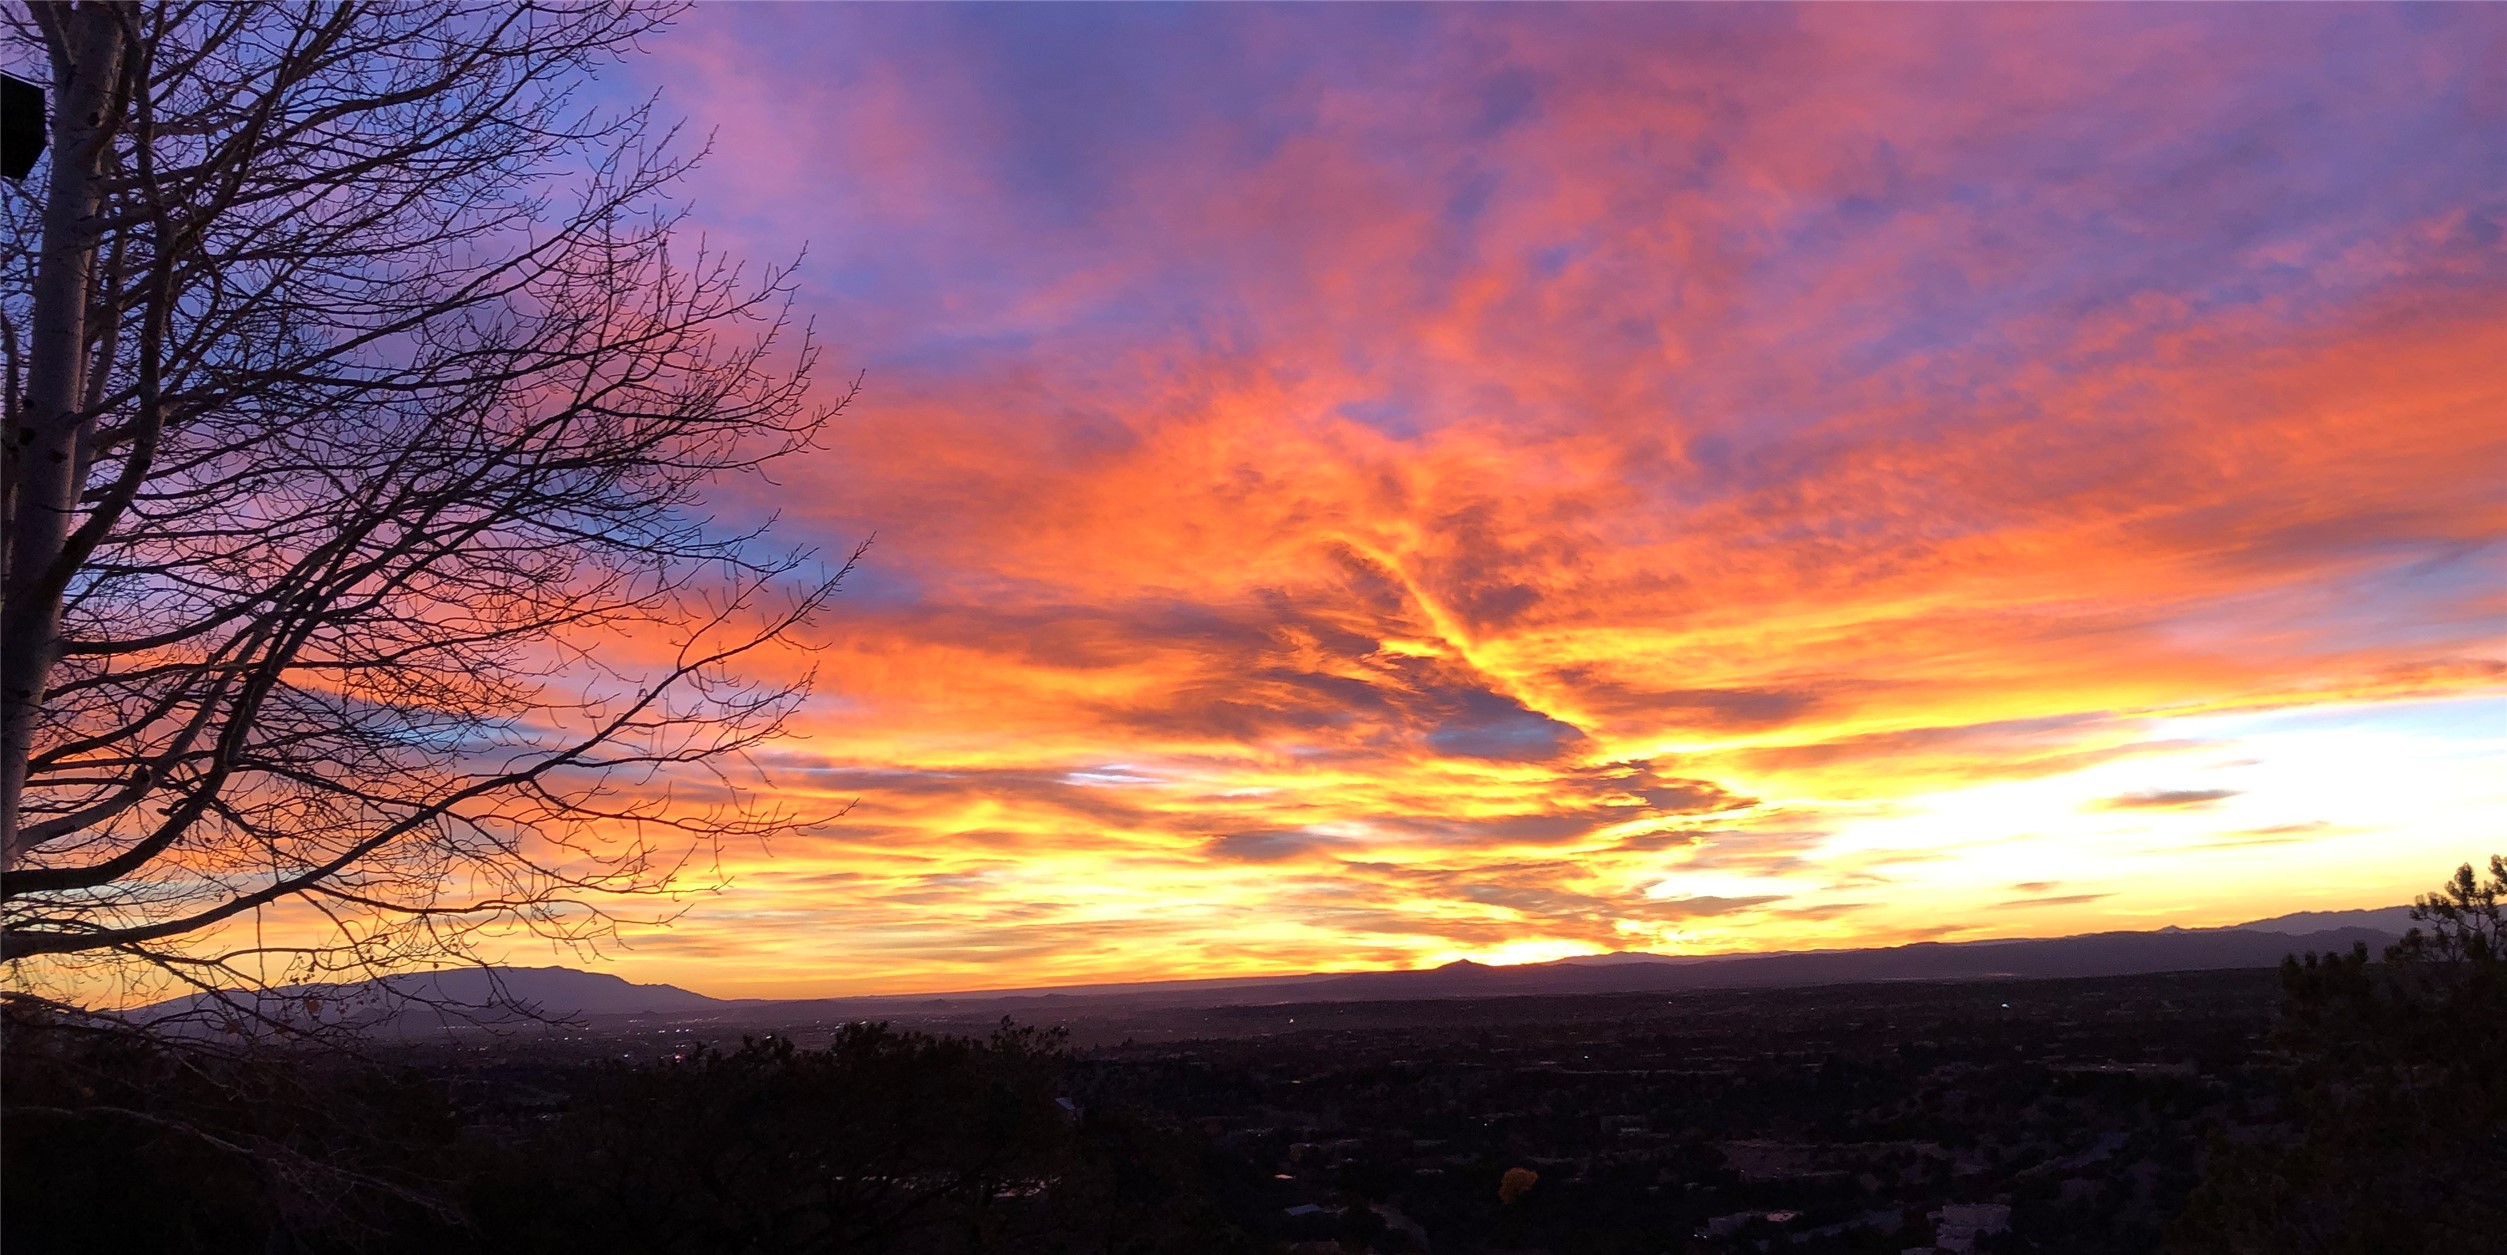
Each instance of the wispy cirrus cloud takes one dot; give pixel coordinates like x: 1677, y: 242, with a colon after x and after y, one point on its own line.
x: 2165, y: 799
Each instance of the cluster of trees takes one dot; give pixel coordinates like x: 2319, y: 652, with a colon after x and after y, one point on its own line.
x: 2396, y: 1100
x: 880, y: 1141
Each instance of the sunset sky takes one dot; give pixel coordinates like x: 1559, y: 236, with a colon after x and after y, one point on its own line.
x: 1368, y: 487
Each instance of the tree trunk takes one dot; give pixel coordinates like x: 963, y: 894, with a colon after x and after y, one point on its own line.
x: 44, y: 437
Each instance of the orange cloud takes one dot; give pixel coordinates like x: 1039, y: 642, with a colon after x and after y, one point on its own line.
x: 1634, y: 478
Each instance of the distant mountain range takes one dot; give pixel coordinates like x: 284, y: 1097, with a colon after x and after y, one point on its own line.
x: 453, y: 997
x: 2392, y: 919
x: 430, y: 1001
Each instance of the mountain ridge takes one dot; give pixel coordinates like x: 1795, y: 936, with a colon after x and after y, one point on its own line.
x: 496, y: 995
x: 2395, y: 919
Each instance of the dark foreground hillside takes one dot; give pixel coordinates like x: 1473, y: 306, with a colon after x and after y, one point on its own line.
x: 2042, y: 1116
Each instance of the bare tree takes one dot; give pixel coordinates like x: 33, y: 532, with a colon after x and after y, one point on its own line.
x: 362, y: 407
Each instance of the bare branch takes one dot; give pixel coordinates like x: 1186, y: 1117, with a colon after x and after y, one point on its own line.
x: 377, y: 578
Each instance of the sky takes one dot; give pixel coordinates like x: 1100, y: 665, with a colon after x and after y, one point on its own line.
x: 1367, y: 487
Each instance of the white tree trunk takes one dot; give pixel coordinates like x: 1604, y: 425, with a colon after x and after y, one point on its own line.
x: 45, y: 436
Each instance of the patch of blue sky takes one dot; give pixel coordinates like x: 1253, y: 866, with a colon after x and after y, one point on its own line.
x: 2471, y: 724
x: 2448, y: 587
x: 1551, y: 261
x: 876, y: 584
x: 1393, y: 416
x: 2217, y: 219
x: 939, y: 351
x: 2434, y: 595
x: 1088, y: 91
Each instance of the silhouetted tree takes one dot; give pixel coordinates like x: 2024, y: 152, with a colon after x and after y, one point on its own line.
x: 362, y: 408
x: 2398, y: 1098
x: 882, y: 1141
x: 2465, y: 925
